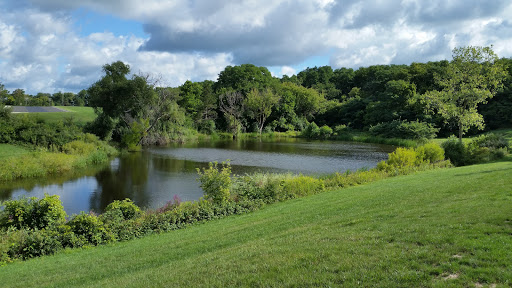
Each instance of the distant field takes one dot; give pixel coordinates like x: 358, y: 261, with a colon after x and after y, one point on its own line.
x: 79, y: 115
x: 7, y: 150
x: 506, y: 132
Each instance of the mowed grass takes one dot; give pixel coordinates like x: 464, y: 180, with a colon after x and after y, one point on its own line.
x: 506, y: 132
x: 78, y: 115
x: 8, y: 150
x: 442, y: 228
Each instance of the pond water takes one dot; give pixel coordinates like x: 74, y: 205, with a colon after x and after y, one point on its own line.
x: 152, y: 177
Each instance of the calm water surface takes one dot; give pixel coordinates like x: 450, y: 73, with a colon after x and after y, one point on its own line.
x: 152, y: 177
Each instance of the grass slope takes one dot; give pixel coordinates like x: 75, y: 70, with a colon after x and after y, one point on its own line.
x: 8, y: 150
x: 439, y: 228
x: 79, y: 115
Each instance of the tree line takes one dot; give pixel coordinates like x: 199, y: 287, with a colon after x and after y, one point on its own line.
x: 435, y: 98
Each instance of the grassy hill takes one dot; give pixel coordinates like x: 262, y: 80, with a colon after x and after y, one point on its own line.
x: 79, y: 115
x: 439, y: 228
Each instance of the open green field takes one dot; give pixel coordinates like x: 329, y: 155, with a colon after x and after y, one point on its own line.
x: 441, y: 228
x: 7, y: 150
x: 79, y: 115
x: 506, y: 132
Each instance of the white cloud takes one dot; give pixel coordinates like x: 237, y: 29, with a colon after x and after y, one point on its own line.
x: 287, y: 70
x: 40, y: 50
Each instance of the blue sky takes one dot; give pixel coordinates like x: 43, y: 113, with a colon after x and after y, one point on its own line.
x: 61, y: 45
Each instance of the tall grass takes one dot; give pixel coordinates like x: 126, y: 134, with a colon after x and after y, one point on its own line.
x: 8, y: 150
x: 77, y: 155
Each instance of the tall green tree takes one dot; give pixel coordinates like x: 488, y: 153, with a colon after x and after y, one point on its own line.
x: 474, y: 76
x: 123, y: 104
x: 259, y: 104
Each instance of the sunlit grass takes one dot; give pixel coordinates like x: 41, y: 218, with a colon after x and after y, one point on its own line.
x: 439, y: 228
x: 8, y: 150
x: 77, y: 115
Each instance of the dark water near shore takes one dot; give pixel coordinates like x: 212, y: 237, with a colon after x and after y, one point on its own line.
x: 152, y: 177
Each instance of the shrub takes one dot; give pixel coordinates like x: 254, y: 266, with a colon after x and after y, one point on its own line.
x: 402, y: 157
x: 311, y: 131
x: 325, y: 132
x: 90, y: 228
x: 340, y: 129
x: 39, y: 243
x: 429, y: 153
x: 127, y: 208
x: 260, y: 186
x: 78, y: 147
x: 33, y: 213
x: 404, y: 129
x: 455, y: 151
x: 491, y: 140
x: 216, y: 182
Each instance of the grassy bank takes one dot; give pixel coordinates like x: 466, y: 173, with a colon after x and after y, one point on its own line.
x: 20, y: 163
x: 8, y: 150
x: 439, y: 228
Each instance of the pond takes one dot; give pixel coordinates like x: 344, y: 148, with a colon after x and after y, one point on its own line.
x: 152, y: 177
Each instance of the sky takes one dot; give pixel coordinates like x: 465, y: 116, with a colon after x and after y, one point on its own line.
x: 61, y: 45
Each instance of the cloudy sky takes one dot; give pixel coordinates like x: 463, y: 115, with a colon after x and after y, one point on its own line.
x: 61, y: 45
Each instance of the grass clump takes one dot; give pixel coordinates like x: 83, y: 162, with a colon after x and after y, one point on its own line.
x: 77, y: 154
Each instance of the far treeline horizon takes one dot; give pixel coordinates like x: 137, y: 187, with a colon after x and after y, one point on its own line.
x: 462, y: 96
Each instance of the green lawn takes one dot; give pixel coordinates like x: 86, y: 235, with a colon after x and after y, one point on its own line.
x: 441, y: 228
x: 7, y: 150
x: 507, y: 133
x: 79, y: 115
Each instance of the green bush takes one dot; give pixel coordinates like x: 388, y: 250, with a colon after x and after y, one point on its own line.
x: 78, y: 147
x: 127, y: 208
x: 261, y: 186
x: 39, y: 243
x: 33, y: 213
x: 491, y: 140
x: 216, y: 182
x: 402, y: 157
x: 429, y: 153
x: 455, y: 151
x: 90, y: 228
x: 311, y: 131
x: 325, y: 132
x: 404, y: 129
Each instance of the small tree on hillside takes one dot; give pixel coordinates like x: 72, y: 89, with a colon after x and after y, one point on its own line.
x: 473, y: 76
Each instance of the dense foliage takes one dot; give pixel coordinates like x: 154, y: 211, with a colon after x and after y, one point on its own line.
x: 416, y: 101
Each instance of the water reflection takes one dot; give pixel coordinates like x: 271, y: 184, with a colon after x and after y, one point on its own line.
x: 152, y: 177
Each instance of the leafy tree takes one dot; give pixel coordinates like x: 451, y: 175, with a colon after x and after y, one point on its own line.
x: 244, y: 78
x: 308, y: 101
x: 260, y: 104
x: 4, y: 94
x: 473, y: 76
x: 497, y: 112
x: 190, y: 94
x: 232, y: 105
x: 82, y: 98
x: 19, y: 97
x: 121, y: 101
